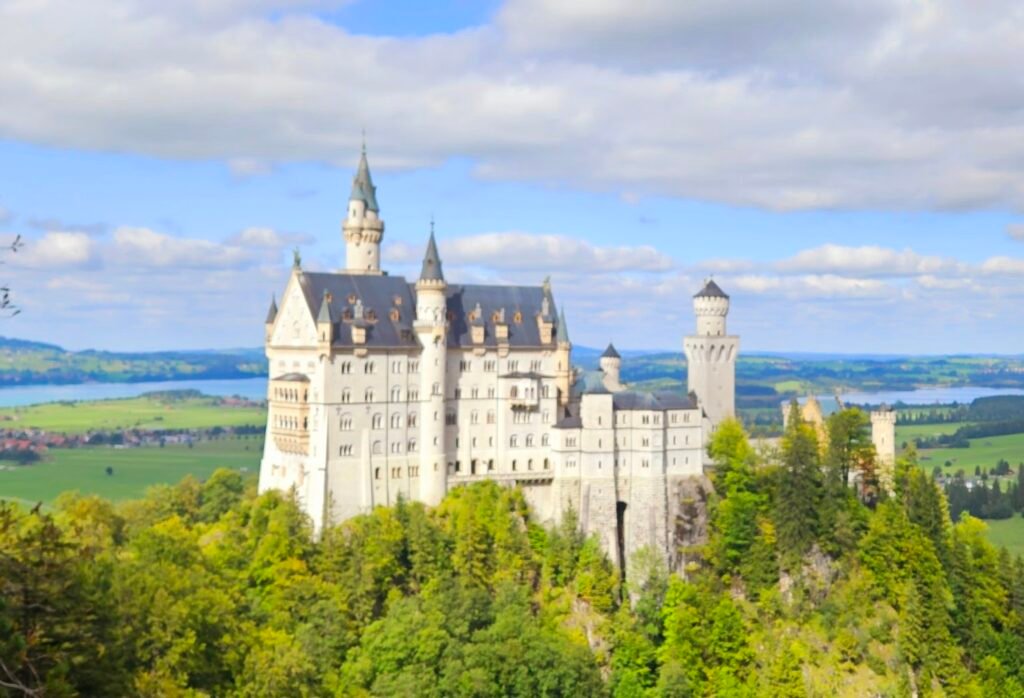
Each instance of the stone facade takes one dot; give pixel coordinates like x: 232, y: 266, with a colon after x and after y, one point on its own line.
x: 381, y: 389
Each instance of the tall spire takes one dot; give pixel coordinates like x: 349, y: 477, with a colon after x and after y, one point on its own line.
x: 562, y: 328
x: 431, y: 260
x: 325, y: 309
x: 272, y: 313
x: 362, y: 184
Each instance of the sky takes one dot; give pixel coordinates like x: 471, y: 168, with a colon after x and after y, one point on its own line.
x: 851, y: 172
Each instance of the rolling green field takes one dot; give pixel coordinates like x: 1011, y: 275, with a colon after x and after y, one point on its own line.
x: 986, y: 452
x: 141, y: 412
x: 909, y: 432
x: 135, y: 469
x: 1008, y: 533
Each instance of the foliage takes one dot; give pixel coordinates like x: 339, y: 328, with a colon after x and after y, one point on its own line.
x: 802, y: 589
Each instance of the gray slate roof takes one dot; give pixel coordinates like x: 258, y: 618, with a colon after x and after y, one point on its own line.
x: 610, y: 352
x: 562, y: 328
x: 711, y: 290
x: 431, y: 270
x: 526, y: 300
x: 378, y: 294
x: 272, y: 313
x: 293, y: 378
x: 660, y: 400
x: 362, y: 185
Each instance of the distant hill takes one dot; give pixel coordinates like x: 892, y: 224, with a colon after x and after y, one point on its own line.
x: 763, y: 379
x: 24, y: 362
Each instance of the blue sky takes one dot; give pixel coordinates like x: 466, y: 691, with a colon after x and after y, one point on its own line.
x: 861, y: 192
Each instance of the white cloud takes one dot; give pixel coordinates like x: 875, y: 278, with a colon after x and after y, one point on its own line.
x: 1003, y: 266
x: 57, y: 250
x: 257, y: 237
x: 526, y: 251
x: 786, y: 104
x: 867, y: 260
x: 143, y: 247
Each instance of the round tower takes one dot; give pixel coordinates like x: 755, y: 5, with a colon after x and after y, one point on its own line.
x: 431, y: 328
x: 883, y: 436
x: 363, y: 228
x: 711, y: 355
x: 611, y: 367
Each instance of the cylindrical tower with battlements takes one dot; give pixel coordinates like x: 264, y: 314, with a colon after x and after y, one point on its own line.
x: 711, y: 355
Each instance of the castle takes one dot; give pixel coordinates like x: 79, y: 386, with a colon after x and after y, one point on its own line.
x: 384, y: 388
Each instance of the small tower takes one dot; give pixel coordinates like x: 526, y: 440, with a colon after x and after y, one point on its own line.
x: 271, y: 317
x: 611, y: 367
x: 883, y: 435
x: 431, y: 328
x: 363, y: 228
x: 563, y: 359
x: 325, y: 325
x: 711, y: 355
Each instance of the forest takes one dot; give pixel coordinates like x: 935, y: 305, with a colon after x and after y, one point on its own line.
x: 804, y: 586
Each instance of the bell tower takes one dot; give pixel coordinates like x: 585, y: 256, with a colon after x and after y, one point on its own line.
x: 363, y: 228
x: 711, y: 355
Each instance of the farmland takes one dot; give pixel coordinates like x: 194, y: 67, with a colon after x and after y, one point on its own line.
x: 145, y: 412
x: 134, y: 469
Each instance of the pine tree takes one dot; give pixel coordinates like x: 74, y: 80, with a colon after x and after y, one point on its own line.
x: 799, y: 496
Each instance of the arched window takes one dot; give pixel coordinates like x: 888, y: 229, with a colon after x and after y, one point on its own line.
x: 545, y: 440
x: 529, y: 441
x: 346, y: 395
x: 412, y: 445
x: 346, y: 422
x: 396, y: 394
x: 490, y: 416
x: 370, y: 367
x: 377, y: 448
x: 368, y: 395
x: 474, y: 417
x: 396, y: 421
x: 377, y: 422
x: 514, y: 392
x: 513, y: 441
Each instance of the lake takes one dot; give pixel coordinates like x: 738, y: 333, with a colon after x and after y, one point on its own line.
x: 256, y: 389
x: 250, y: 388
x: 924, y: 396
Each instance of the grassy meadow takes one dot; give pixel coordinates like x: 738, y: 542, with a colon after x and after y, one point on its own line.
x: 135, y: 469
x: 984, y: 452
x: 1008, y: 533
x: 145, y: 412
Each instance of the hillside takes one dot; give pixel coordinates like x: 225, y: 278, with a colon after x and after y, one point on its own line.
x: 800, y: 589
x: 35, y: 363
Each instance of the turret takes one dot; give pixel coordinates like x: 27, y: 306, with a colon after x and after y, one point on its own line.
x: 271, y: 317
x: 611, y: 367
x: 711, y: 355
x: 363, y: 228
x: 883, y: 435
x: 324, y: 324
x: 563, y: 359
x: 711, y: 306
x: 431, y: 328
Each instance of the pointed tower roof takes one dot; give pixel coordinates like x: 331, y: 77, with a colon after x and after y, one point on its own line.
x: 431, y: 261
x: 610, y: 352
x: 325, y: 309
x: 272, y: 313
x: 712, y: 290
x: 362, y: 185
x: 562, y: 328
